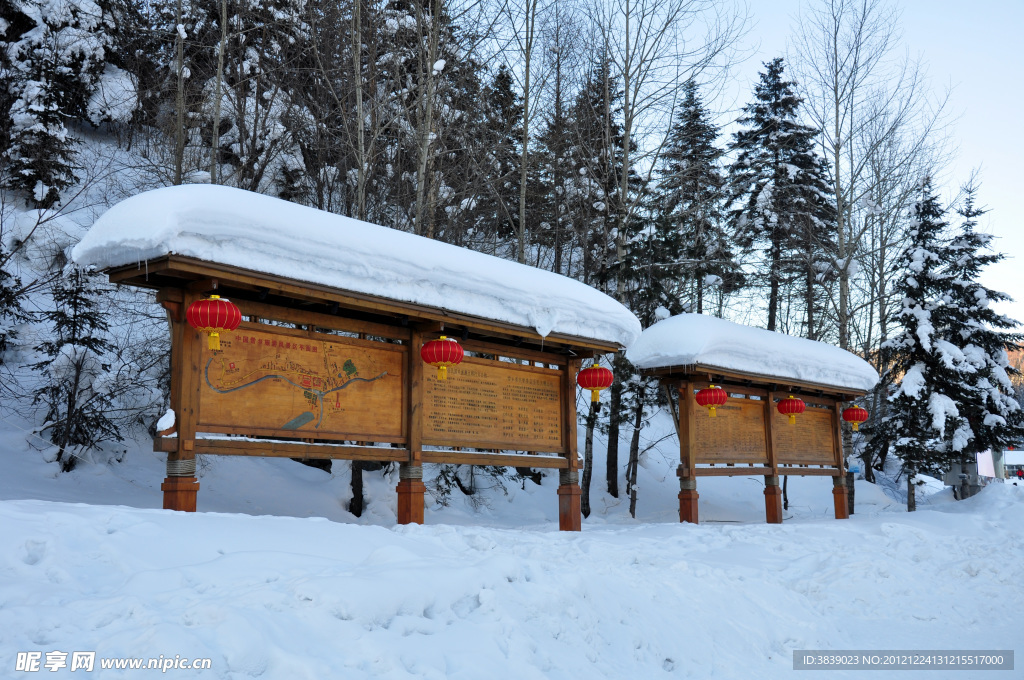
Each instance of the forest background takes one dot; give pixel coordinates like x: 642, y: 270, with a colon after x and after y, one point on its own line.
x: 604, y: 142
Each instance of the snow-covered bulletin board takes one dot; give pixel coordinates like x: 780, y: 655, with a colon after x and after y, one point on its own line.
x: 277, y: 382
x: 748, y: 435
x: 325, y: 362
x: 491, y: 404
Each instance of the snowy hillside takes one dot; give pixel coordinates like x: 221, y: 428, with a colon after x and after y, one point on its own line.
x: 497, y: 593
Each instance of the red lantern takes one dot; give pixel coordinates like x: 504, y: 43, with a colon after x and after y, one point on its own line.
x: 212, y: 315
x: 442, y: 353
x: 792, y: 407
x: 711, y: 397
x: 855, y: 415
x: 595, y: 378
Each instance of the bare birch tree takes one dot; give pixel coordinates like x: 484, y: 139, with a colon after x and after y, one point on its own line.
x: 653, y: 46
x: 861, y: 94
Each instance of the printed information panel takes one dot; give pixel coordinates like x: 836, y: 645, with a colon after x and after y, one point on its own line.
x: 736, y: 435
x: 809, y: 441
x: 489, y: 404
x: 267, y: 383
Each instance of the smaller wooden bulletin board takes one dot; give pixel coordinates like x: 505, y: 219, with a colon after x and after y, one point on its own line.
x: 495, y: 405
x: 749, y: 431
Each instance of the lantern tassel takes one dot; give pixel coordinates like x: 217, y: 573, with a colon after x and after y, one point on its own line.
x: 855, y: 427
x: 595, y: 395
x: 711, y: 412
x: 792, y: 420
x: 214, y: 341
x: 442, y: 372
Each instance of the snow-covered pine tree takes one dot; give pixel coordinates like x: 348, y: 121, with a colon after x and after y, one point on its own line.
x: 688, y: 200
x: 986, y: 398
x: 11, y: 310
x: 491, y: 218
x: 56, y: 52
x: 777, y: 188
x: 74, y: 386
x: 924, y: 425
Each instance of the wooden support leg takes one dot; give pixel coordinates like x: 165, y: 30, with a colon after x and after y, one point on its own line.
x: 180, y: 487
x: 772, y: 500
x: 411, y: 492
x: 570, y: 516
x: 839, y: 498
x: 688, y: 500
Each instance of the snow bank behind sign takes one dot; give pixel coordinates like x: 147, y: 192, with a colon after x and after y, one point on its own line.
x: 695, y: 339
x: 243, y: 229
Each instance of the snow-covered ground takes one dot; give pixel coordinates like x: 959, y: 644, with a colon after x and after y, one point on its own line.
x: 275, y: 579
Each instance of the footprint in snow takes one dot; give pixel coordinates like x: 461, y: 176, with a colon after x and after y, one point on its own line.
x: 35, y: 551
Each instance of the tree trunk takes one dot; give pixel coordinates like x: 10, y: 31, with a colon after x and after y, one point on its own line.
x: 588, y: 458
x: 219, y: 94
x: 357, y: 72
x: 426, y: 110
x: 785, y: 492
x: 611, y: 469
x: 68, y: 464
x: 355, y: 506
x: 634, y: 456
x: 911, y: 499
x: 775, y: 256
x: 179, y: 98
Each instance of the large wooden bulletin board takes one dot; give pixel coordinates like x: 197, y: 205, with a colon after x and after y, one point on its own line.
x: 268, y: 381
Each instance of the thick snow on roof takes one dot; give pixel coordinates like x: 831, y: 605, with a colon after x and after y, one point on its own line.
x: 243, y: 229
x: 695, y: 339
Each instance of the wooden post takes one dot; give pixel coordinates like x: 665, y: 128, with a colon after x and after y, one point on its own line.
x: 839, y: 496
x: 688, y: 499
x: 772, y: 490
x: 180, y: 492
x: 687, y: 455
x: 772, y: 500
x: 570, y: 515
x: 411, y: 493
x: 411, y: 490
x: 181, y: 487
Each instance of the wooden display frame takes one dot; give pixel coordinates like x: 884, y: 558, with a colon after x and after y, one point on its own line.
x: 750, y: 437
x: 285, y: 321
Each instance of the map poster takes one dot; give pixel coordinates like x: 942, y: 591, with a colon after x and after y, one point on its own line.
x: 267, y: 383
x: 736, y: 435
x: 489, y: 404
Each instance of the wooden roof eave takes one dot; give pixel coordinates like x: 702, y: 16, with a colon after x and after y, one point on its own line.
x: 706, y: 372
x: 144, y: 273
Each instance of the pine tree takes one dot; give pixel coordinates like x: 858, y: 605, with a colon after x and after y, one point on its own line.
x: 597, y: 163
x: 924, y: 425
x: 986, y: 398
x: 592, y: 193
x: 779, y: 191
x: 688, y: 201
x: 11, y: 310
x: 493, y: 218
x: 75, y: 390
x: 55, y: 53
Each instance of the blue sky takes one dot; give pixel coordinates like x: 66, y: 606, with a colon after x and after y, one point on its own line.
x: 974, y: 48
